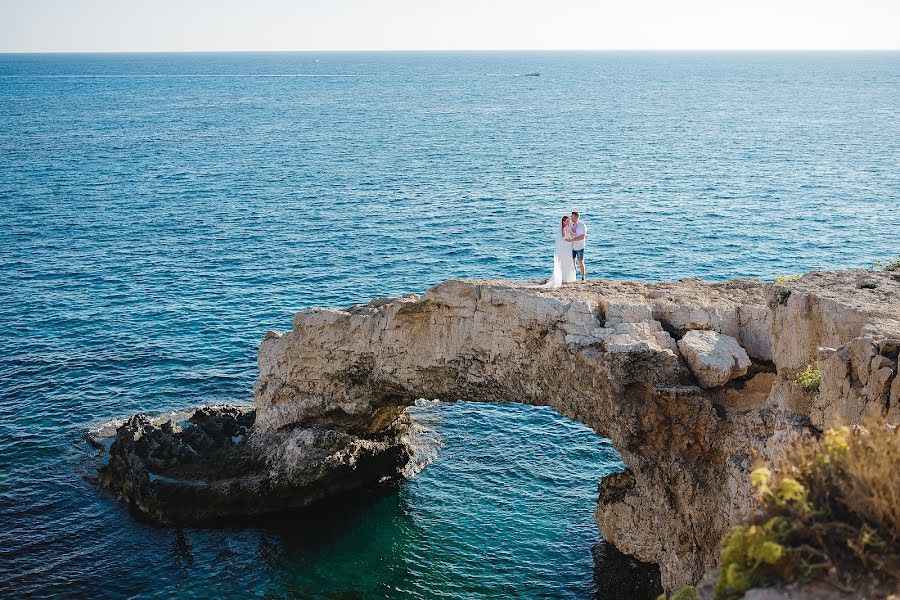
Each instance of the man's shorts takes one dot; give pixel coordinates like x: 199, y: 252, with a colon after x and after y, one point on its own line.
x: 578, y: 254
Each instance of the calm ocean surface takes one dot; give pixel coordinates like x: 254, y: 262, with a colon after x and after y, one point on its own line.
x: 160, y: 212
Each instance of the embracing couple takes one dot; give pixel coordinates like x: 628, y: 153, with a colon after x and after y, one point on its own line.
x: 569, y: 250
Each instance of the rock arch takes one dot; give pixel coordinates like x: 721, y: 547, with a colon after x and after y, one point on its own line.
x: 605, y: 354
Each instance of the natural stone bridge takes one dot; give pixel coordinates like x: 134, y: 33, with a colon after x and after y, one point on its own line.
x: 685, y: 410
x: 686, y: 378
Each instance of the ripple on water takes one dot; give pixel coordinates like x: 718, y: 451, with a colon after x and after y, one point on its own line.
x: 156, y: 222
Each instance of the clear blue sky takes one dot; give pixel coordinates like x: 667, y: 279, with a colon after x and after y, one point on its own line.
x: 177, y: 25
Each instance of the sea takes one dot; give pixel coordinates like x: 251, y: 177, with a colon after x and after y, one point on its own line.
x: 160, y: 212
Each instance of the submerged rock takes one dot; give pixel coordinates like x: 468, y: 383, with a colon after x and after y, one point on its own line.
x: 215, y: 465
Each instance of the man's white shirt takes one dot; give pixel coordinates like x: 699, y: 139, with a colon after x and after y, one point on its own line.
x: 580, y: 230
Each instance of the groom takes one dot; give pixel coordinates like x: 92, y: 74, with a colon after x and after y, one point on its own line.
x: 578, y: 243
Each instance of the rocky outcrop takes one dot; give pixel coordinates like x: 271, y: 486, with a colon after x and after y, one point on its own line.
x: 714, y: 358
x: 215, y: 465
x: 684, y: 416
x: 686, y: 378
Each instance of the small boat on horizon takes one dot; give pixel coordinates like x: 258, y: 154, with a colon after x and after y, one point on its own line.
x: 534, y: 74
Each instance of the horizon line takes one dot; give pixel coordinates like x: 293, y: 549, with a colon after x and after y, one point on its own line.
x: 435, y: 50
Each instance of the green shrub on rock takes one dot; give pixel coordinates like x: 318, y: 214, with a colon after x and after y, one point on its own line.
x: 830, y: 511
x: 786, y: 278
x: 686, y: 593
x: 809, y: 378
x: 891, y: 264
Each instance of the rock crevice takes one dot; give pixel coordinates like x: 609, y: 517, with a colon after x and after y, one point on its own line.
x: 686, y: 378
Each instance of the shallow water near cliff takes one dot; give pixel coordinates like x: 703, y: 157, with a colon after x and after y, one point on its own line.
x: 160, y: 212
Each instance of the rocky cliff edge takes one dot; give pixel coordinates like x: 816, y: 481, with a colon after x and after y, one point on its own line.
x: 686, y: 378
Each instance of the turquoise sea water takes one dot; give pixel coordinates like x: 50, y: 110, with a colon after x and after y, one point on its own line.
x: 160, y: 212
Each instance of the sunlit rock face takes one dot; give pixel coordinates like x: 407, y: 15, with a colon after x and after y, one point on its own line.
x: 714, y: 358
x: 686, y: 378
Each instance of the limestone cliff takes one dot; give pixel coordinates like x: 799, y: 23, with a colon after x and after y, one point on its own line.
x: 686, y: 378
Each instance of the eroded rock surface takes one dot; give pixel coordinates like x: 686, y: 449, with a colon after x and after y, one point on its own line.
x: 215, y: 465
x: 687, y: 443
x: 714, y: 358
x: 661, y: 369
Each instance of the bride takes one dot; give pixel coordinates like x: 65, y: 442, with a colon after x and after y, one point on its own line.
x: 563, y: 265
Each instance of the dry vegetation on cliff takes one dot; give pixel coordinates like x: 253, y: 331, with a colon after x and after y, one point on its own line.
x: 829, y: 511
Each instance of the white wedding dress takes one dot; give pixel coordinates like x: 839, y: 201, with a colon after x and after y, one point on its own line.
x: 563, y: 267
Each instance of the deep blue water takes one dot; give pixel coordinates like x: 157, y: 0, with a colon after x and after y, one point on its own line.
x: 160, y: 212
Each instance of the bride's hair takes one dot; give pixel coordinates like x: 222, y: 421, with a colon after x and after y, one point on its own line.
x: 563, y: 222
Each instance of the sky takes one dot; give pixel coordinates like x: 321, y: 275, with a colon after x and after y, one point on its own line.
x: 225, y: 25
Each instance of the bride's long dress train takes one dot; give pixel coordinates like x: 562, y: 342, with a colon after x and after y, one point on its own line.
x: 563, y: 267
